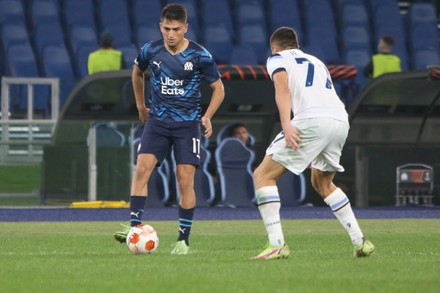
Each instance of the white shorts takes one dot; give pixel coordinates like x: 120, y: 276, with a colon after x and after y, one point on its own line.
x: 323, y: 140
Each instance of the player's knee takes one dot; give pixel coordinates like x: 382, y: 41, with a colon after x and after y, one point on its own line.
x: 185, y: 183
x: 142, y: 170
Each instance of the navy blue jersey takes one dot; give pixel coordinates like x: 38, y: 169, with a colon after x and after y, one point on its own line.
x: 175, y: 79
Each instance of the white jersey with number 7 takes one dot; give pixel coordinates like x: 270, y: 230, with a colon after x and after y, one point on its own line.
x: 310, y: 84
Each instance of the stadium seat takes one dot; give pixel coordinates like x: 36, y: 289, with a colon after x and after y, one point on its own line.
x: 387, y: 15
x: 422, y: 59
x: 158, y: 184
x: 113, y: 12
x: 341, y: 3
x: 42, y: 11
x: 48, y: 34
x: 81, y: 35
x: 278, y: 17
x: 380, y: 4
x: 218, y: 42
x: 356, y: 37
x: 421, y: 12
x: 107, y: 135
x: 355, y: 15
x: 216, y: 12
x: 21, y: 62
x: 52, y: 2
x: 12, y: 12
x: 358, y: 58
x: 255, y: 36
x: 323, y: 37
x: 320, y: 14
x: 80, y: 59
x: 121, y: 33
x: 423, y: 36
x: 234, y: 169
x: 79, y: 12
x: 292, y: 189
x: 14, y: 34
x: 243, y: 55
x: 146, y: 13
x: 56, y: 62
x: 315, y: 51
x: 129, y: 53
x: 146, y: 33
x: 249, y: 12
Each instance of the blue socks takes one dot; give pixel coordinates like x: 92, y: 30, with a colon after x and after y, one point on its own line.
x: 185, y: 222
x: 137, y: 204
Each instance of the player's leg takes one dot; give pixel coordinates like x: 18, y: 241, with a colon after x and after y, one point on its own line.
x: 339, y: 203
x: 185, y: 181
x: 139, y: 186
x: 268, y: 200
x: 138, y: 194
x: 152, y: 149
x: 187, y: 155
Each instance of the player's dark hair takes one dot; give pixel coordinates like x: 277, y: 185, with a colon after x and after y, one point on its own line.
x: 388, y: 40
x: 285, y: 38
x: 174, y: 11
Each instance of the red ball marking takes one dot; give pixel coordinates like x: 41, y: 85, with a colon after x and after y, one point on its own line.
x: 134, y: 238
x: 149, y: 246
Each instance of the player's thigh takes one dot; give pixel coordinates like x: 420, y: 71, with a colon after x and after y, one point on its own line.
x: 186, y: 143
x: 145, y: 165
x: 155, y: 140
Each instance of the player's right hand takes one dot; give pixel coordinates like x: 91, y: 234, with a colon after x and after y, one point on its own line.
x: 143, y: 113
x: 291, y: 135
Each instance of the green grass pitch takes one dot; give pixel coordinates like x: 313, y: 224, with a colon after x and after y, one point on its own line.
x: 83, y: 257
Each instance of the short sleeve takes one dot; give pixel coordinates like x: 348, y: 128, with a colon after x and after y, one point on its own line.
x: 142, y: 59
x: 275, y: 64
x: 208, y: 67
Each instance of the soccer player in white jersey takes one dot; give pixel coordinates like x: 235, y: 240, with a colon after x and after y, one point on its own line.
x: 315, y: 136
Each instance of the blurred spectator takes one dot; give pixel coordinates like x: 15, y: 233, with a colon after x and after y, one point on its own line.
x: 105, y: 58
x: 384, y: 61
x: 240, y: 131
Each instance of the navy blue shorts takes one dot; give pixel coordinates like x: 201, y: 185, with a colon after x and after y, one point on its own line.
x: 159, y: 136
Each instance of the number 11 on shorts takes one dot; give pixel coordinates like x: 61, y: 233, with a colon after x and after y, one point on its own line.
x: 196, y: 146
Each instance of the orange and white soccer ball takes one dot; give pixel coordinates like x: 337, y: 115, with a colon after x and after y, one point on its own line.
x: 142, y: 239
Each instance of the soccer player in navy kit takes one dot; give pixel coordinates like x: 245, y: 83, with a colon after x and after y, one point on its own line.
x: 174, y: 119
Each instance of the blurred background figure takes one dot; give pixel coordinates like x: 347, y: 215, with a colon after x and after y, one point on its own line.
x: 240, y: 131
x: 385, y: 61
x: 105, y: 58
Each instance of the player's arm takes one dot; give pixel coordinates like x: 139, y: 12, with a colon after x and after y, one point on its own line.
x: 282, y: 98
x: 217, y: 96
x: 137, y: 78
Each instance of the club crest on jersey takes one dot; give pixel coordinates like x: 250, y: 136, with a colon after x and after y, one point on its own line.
x: 188, y: 66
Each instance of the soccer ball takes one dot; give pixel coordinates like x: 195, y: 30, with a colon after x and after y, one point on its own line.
x: 142, y: 239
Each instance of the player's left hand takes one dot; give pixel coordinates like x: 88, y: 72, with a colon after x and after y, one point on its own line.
x: 206, y: 122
